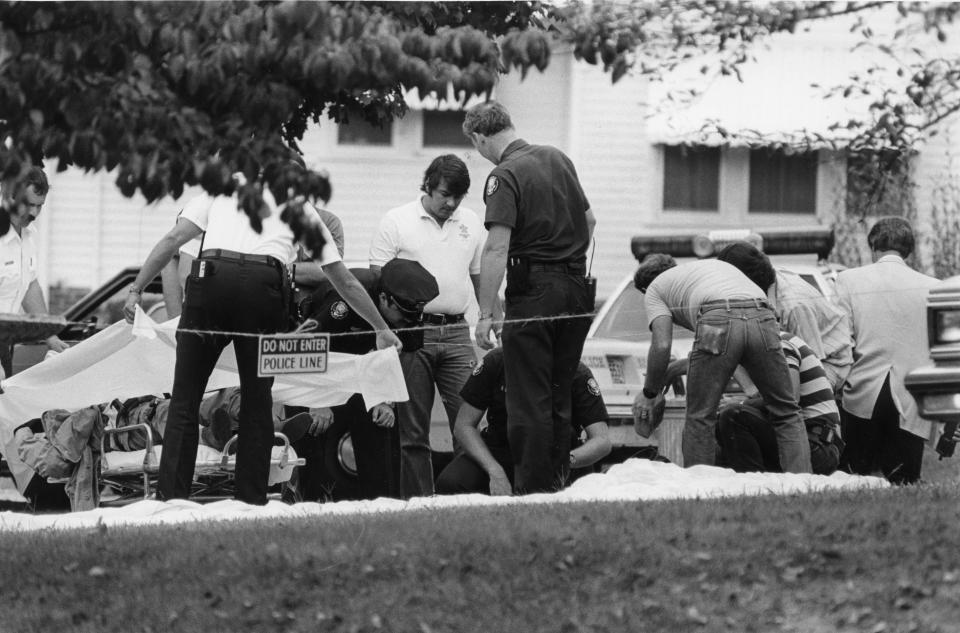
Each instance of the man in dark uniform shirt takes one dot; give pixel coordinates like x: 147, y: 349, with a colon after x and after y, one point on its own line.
x: 399, y: 290
x: 539, y: 223
x: 485, y: 462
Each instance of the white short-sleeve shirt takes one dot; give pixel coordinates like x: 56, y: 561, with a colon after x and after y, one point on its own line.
x: 451, y: 253
x: 228, y: 228
x: 680, y: 291
x: 18, y: 267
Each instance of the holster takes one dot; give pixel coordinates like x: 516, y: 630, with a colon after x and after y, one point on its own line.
x: 518, y: 275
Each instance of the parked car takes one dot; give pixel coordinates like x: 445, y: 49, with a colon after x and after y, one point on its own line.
x: 96, y: 310
x: 936, y: 387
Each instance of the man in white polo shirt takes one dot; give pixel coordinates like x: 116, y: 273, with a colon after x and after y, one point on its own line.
x: 447, y: 240
x: 19, y: 288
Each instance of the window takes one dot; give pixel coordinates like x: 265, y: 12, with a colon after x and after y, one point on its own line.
x: 691, y: 178
x: 781, y: 183
x: 359, y: 132
x: 444, y: 129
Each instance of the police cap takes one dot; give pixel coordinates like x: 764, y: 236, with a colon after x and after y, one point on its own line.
x: 409, y: 284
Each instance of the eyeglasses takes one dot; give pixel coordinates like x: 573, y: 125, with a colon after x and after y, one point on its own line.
x: 412, y: 312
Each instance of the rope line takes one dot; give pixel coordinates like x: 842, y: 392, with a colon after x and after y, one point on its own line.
x: 424, y: 328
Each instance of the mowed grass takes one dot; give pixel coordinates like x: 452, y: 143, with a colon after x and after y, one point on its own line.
x: 882, y: 560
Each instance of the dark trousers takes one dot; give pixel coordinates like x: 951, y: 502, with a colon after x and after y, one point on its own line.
x: 748, y: 443
x: 376, y: 450
x: 464, y: 475
x: 543, y: 336
x: 879, y: 444
x: 6, y: 356
x: 230, y: 297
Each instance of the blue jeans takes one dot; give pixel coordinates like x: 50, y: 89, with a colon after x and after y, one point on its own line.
x: 445, y: 360
x: 747, y: 335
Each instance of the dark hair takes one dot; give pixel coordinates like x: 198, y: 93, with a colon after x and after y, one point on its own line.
x: 751, y: 262
x: 35, y: 178
x: 450, y: 168
x: 891, y: 233
x: 486, y: 119
x: 650, y: 268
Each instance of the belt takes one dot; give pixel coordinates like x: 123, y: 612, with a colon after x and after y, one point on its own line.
x: 243, y: 258
x: 442, y: 319
x: 734, y: 303
x: 559, y: 267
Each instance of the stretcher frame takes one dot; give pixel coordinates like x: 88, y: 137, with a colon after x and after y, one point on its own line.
x: 211, y: 480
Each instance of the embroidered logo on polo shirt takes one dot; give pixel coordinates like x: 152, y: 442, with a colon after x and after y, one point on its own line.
x: 339, y: 310
x: 593, y: 387
x: 492, y: 184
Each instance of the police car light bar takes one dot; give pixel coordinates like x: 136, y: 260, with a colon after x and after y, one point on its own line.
x: 775, y: 241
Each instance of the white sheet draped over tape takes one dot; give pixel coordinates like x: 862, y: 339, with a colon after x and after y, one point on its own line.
x: 126, y: 360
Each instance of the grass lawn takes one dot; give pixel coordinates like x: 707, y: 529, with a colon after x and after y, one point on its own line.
x: 875, y: 561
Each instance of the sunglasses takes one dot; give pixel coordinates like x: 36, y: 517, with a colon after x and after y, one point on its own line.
x: 412, y: 312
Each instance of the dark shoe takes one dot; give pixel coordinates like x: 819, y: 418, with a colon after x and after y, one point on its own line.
x: 296, y: 427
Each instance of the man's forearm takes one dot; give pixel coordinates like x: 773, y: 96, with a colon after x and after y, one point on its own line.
x: 492, y: 268
x: 591, y: 451
x: 658, y: 358
x: 473, y: 445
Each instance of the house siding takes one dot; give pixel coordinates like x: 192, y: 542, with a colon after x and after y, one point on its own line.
x: 89, y: 230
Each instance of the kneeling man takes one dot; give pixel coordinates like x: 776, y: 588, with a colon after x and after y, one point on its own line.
x: 484, y: 461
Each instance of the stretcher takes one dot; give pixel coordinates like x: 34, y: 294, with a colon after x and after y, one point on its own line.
x: 132, y: 474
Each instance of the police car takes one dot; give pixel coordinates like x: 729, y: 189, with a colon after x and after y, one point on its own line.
x: 616, y: 346
x: 936, y: 387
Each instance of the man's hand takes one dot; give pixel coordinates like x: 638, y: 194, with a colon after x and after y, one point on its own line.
x: 642, y: 414
x: 322, y: 419
x: 383, y: 416
x: 386, y: 338
x: 130, y: 306
x: 56, y: 345
x: 482, y: 333
x: 499, y: 484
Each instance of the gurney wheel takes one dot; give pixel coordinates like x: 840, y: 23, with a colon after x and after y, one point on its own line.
x: 339, y: 462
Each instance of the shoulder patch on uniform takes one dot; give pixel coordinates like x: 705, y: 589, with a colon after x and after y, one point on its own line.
x: 493, y: 183
x: 339, y: 310
x: 593, y: 387
x: 476, y: 370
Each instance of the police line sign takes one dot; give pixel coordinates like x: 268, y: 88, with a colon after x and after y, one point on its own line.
x: 293, y: 354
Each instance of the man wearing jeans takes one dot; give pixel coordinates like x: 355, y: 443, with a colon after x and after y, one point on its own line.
x: 446, y: 239
x: 733, y: 325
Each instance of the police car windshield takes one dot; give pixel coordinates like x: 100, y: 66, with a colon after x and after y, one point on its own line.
x: 627, y: 318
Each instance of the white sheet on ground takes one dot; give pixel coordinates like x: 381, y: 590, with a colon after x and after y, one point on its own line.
x: 634, y: 480
x: 127, y: 360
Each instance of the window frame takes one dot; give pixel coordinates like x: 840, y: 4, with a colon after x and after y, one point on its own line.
x: 693, y: 173
x: 796, y: 198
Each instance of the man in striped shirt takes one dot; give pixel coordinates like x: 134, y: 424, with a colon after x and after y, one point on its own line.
x: 746, y: 438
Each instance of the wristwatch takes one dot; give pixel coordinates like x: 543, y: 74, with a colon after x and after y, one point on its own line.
x: 650, y: 394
